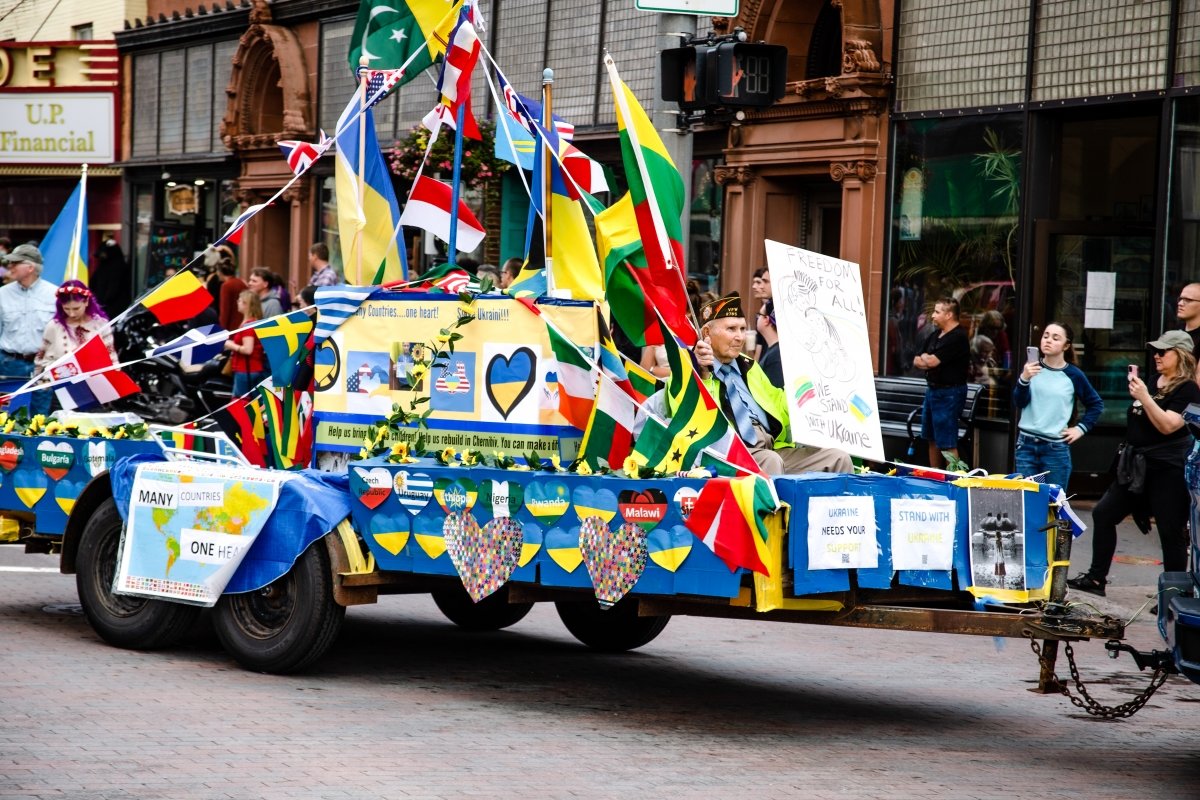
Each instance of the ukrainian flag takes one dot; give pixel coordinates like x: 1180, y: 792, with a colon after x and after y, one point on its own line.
x: 367, y: 229
x: 64, y: 250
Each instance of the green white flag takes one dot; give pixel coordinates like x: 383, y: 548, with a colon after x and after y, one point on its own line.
x: 394, y: 33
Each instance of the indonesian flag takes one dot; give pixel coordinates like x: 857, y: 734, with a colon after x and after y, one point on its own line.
x: 428, y: 208
x: 91, y: 389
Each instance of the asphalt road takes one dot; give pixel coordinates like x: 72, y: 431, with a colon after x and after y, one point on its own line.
x: 406, y: 705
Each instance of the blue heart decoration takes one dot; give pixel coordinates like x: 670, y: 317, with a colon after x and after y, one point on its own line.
x: 514, y: 374
x: 591, y: 502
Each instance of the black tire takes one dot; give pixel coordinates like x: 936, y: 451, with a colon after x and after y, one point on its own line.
x: 612, y: 630
x: 287, y: 625
x: 135, y: 623
x: 492, y: 613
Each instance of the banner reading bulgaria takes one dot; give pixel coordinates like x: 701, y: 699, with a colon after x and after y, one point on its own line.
x: 189, y: 525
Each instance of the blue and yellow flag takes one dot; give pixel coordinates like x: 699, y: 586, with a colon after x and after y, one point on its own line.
x: 283, y: 339
x: 64, y: 250
x: 368, y: 213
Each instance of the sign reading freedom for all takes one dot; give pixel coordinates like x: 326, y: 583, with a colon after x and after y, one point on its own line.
x: 190, y: 523
x: 825, y: 350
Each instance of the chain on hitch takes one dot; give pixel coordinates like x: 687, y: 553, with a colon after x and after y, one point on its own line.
x: 1157, y: 660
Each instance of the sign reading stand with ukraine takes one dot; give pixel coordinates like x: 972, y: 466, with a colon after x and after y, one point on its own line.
x: 826, y: 351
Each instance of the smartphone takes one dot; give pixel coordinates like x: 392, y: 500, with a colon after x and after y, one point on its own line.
x: 1133, y: 371
x: 1032, y: 354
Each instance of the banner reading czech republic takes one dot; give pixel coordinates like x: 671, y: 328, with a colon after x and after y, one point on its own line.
x: 190, y: 523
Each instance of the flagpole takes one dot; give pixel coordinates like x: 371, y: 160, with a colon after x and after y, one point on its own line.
x: 362, y: 146
x: 77, y: 238
x: 547, y: 185
x: 455, y: 187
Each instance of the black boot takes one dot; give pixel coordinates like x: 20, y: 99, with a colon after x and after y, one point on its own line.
x: 1087, y: 582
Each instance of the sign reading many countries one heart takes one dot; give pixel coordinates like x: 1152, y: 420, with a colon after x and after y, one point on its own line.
x: 11, y: 453
x: 413, y: 489
x: 615, y: 558
x: 646, y: 507
x: 370, y: 486
x: 56, y: 458
x: 501, y: 498
x: 485, y: 558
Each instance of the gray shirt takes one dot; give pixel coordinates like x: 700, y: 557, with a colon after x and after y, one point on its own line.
x: 24, y: 314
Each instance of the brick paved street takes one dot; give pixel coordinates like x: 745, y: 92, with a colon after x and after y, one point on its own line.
x: 408, y: 706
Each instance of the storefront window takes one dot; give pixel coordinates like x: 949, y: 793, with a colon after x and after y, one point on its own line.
x: 1183, y: 239
x: 704, y: 245
x: 956, y: 234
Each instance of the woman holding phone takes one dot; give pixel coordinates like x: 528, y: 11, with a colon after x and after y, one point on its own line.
x: 1046, y: 393
x: 1149, y: 479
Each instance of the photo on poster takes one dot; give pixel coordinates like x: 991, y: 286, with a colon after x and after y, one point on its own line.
x: 455, y: 384
x: 406, y: 355
x: 997, y: 520
x: 366, y: 374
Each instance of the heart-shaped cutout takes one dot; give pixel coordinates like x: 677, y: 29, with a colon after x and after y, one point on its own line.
x: 99, y: 457
x: 645, y: 507
x: 371, y: 486
x: 413, y: 490
x: 531, y: 543
x: 484, y: 557
x: 615, y: 558
x: 56, y: 458
x: 455, y: 496
x: 66, y: 493
x: 547, y: 501
x: 11, y: 453
x: 669, y: 547
x: 509, y: 379
x: 685, y: 501
x: 563, y: 548
x: 390, y: 531
x: 30, y: 486
x: 589, y: 502
x: 501, y: 498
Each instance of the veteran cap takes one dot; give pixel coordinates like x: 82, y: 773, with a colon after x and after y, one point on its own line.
x: 728, y: 306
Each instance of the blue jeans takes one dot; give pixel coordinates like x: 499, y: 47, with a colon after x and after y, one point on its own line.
x: 18, y: 369
x: 245, y: 381
x: 1035, y: 456
x: 940, y: 414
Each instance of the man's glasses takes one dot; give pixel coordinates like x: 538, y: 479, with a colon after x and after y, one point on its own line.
x: 1189, y: 299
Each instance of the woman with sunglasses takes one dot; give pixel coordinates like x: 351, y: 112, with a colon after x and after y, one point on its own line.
x: 77, y: 316
x: 1149, y: 479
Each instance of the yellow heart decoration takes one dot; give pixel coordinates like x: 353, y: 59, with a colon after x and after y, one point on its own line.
x: 392, y: 542
x: 434, y: 544
x: 569, y: 558
x: 528, y: 551
x: 672, y: 558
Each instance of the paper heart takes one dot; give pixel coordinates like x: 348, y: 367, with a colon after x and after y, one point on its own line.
x: 615, y: 558
x: 563, y: 548
x: 501, y: 498
x: 391, y: 532
x: 456, y: 496
x: 11, y: 453
x: 645, y: 507
x: 370, y: 486
x: 531, y: 543
x: 30, y: 486
x: 413, y: 490
x: 99, y: 457
x: 547, y: 501
x: 56, y: 458
x: 589, y: 502
x: 685, y: 500
x: 669, y: 547
x: 484, y: 557
x: 66, y: 493
x: 509, y: 379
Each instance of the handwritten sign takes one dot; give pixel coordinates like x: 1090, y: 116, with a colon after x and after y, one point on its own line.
x: 923, y: 534
x: 841, y: 533
x: 826, y: 351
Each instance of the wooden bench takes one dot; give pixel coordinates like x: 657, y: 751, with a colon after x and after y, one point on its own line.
x: 900, y: 400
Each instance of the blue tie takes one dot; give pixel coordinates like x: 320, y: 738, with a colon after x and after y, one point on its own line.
x: 739, y: 402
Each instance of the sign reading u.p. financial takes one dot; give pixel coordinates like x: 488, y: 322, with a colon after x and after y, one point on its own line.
x: 57, y: 128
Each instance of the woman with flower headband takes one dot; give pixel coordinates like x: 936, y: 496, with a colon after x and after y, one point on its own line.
x: 77, y: 316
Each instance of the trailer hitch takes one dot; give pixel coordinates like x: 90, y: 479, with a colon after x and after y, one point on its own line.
x: 1155, y: 659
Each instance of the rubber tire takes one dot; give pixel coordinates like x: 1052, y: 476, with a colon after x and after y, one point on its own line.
x: 135, y: 623
x: 613, y: 630
x: 288, y: 624
x: 492, y: 613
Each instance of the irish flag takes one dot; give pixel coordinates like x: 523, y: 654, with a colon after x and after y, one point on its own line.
x: 576, y: 384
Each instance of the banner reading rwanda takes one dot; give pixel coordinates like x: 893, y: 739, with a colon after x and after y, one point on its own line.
x: 826, y: 351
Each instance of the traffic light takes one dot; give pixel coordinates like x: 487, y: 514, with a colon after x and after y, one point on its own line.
x: 732, y: 74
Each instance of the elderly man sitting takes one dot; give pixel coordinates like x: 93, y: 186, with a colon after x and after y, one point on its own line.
x: 757, y: 408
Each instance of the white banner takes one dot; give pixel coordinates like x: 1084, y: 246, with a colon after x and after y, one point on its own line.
x: 57, y: 128
x: 923, y: 534
x: 826, y: 351
x: 841, y: 533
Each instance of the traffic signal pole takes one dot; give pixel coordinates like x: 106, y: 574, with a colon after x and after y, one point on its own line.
x: 665, y: 116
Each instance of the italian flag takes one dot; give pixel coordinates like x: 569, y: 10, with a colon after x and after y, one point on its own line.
x: 576, y: 383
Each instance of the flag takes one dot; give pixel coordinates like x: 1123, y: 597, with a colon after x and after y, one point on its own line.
x: 367, y: 228
x: 302, y: 155
x: 181, y: 296
x: 1063, y: 510
x: 335, y: 305
x: 196, y: 346
x: 462, y: 53
x: 609, y: 433
x: 90, y: 390
x: 634, y: 293
x: 234, y: 421
x: 728, y: 516
x: 428, y: 208
x: 287, y: 421
x: 656, y: 191
x: 282, y: 338
x: 449, y: 278
x: 401, y: 33
x: 380, y: 83
x: 64, y: 248
x: 576, y: 382
x: 573, y: 264
x: 527, y: 111
x: 513, y: 142
x: 586, y: 175
x: 234, y: 234
x: 642, y: 383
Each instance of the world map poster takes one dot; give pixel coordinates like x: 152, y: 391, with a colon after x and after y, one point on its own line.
x: 189, y: 525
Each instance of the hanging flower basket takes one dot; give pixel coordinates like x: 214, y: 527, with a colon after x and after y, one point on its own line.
x: 479, y: 169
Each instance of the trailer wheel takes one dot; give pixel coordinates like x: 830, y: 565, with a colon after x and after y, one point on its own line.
x: 492, y: 613
x: 286, y: 625
x: 136, y: 623
x: 613, y: 630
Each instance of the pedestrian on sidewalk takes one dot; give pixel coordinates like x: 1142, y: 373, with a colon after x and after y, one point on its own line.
x: 1150, y: 463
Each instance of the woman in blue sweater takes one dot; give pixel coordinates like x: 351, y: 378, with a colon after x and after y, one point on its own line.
x: 1046, y: 393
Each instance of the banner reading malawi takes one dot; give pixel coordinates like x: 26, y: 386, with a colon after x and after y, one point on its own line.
x: 189, y: 526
